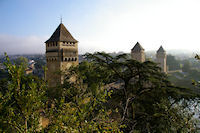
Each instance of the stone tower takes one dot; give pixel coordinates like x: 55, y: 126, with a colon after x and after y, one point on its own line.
x: 137, y: 53
x: 161, y: 59
x: 61, y: 53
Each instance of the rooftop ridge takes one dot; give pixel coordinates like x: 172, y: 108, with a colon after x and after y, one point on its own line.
x: 161, y: 50
x: 137, y: 47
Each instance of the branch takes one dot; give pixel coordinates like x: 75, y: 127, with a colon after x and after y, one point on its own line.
x: 125, y: 110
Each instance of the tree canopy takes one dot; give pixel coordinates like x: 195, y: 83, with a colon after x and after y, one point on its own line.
x: 102, y: 94
x: 20, y: 100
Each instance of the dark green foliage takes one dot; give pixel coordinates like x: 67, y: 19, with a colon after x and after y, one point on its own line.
x: 146, y: 101
x: 143, y: 100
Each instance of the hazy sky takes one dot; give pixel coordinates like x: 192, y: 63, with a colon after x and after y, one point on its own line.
x: 100, y: 25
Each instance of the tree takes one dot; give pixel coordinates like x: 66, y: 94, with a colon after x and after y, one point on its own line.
x: 21, y: 101
x: 106, y: 94
x: 80, y: 107
x: 146, y: 100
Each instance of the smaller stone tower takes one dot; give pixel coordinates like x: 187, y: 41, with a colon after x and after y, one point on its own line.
x: 161, y: 59
x: 137, y: 53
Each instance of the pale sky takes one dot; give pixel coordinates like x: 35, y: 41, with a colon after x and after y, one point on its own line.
x: 101, y: 25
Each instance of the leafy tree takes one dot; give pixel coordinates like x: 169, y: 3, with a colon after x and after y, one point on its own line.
x: 106, y: 94
x: 21, y: 100
x: 145, y: 100
x: 80, y: 107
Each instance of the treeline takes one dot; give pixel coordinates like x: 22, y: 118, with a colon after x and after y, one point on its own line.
x: 107, y: 94
x: 184, y: 72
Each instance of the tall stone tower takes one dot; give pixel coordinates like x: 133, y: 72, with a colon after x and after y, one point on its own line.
x: 137, y: 53
x: 61, y: 53
x: 161, y: 59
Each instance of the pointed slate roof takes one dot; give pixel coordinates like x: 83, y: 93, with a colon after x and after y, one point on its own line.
x: 160, y: 50
x: 61, y: 34
x: 137, y: 47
